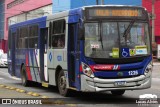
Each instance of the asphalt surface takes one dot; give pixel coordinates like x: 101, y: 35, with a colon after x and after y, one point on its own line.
x: 14, y: 89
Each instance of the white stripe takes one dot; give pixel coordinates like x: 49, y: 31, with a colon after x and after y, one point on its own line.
x: 45, y: 68
x: 116, y: 67
x: 37, y: 57
x: 1, y: 78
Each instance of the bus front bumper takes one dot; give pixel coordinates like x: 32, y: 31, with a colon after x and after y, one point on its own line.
x: 96, y: 84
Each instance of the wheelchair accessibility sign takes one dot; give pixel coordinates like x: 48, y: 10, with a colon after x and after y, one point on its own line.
x: 125, y: 52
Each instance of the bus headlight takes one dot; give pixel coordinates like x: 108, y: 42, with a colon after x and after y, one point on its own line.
x: 148, y: 69
x: 87, y: 70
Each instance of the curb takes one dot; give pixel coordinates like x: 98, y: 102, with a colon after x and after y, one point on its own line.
x: 157, y: 63
x: 23, y: 91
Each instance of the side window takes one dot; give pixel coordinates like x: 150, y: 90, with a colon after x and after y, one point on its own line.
x: 23, y: 37
x: 57, y: 36
x: 33, y: 36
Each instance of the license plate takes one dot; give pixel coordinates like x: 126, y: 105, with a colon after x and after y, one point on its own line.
x: 120, y: 83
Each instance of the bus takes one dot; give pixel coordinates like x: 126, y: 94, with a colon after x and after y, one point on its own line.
x: 90, y: 49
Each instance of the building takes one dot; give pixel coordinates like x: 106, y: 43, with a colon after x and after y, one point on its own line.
x: 2, y: 40
x: 148, y: 5
x: 21, y: 10
x: 61, y: 5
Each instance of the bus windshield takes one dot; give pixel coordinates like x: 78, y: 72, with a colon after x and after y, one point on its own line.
x: 110, y: 39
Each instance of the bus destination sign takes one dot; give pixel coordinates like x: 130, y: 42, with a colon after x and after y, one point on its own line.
x: 113, y: 12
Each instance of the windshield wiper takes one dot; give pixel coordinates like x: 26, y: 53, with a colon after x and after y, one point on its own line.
x: 128, y: 28
x: 100, y: 34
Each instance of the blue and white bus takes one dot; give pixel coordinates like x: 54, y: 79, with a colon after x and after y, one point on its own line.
x: 89, y: 49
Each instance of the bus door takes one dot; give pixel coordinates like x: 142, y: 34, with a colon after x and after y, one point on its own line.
x: 11, y: 52
x: 73, y: 51
x: 43, y: 54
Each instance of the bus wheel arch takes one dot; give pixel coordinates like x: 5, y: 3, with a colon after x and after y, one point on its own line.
x: 21, y: 68
x: 58, y: 69
x: 61, y: 82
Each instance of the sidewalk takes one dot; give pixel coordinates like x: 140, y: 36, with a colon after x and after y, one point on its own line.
x: 156, y: 62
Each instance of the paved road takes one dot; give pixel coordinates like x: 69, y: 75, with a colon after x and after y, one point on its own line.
x: 91, y: 99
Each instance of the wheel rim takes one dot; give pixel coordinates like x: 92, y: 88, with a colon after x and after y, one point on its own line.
x: 62, y: 84
x: 23, y: 77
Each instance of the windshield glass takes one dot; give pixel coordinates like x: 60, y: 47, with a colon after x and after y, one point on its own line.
x: 107, y: 40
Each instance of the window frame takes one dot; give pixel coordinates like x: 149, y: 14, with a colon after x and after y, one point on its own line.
x: 57, y: 33
x: 33, y: 35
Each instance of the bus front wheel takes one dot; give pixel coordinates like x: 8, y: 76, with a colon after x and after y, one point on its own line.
x: 118, y: 92
x: 24, y: 80
x: 62, y: 85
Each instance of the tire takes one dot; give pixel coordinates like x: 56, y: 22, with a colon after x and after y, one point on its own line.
x: 62, y: 86
x: 118, y: 92
x: 24, y: 80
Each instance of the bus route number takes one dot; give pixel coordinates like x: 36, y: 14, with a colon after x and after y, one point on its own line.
x: 135, y: 72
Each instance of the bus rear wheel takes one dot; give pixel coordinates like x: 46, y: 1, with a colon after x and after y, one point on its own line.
x: 62, y: 85
x: 24, y: 80
x: 118, y: 92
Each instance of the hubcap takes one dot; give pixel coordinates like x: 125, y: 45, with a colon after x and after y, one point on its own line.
x: 62, y: 83
x: 23, y: 77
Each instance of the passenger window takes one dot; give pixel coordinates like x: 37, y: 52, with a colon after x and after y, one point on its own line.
x: 57, y: 35
x: 33, y: 36
x: 58, y: 41
x: 23, y: 37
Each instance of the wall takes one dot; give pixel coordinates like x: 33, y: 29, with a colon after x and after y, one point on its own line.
x: 148, y: 5
x: 1, y: 19
x: 26, y: 6
x: 21, y: 7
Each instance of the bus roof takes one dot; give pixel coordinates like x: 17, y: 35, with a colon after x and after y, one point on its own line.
x: 32, y: 21
x: 110, y: 5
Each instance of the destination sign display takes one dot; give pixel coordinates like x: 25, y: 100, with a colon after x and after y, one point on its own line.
x: 103, y: 12
x: 114, y: 12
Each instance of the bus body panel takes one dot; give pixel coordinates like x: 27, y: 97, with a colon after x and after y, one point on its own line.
x: 97, y: 84
x: 75, y: 20
x: 11, y: 53
x: 29, y: 57
x: 42, y: 63
x: 139, y: 67
x: 57, y: 57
